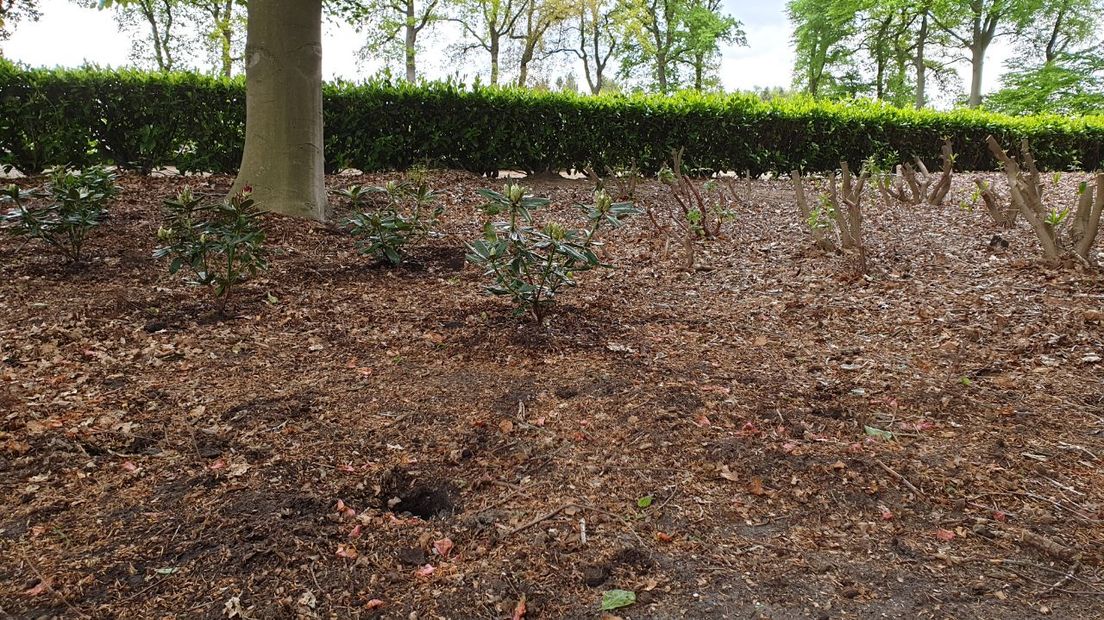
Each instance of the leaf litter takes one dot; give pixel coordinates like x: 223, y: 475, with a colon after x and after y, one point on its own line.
x: 923, y: 439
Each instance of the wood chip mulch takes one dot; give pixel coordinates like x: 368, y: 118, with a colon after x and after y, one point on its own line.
x: 770, y: 435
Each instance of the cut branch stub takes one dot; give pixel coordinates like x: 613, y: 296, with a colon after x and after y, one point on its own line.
x: 811, y: 221
x: 848, y: 211
x: 911, y: 185
x: 1086, y: 220
x: 837, y: 221
x: 1027, y: 195
x: 1003, y: 214
x: 943, y: 185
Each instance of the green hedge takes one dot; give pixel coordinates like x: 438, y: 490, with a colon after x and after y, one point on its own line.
x: 196, y: 123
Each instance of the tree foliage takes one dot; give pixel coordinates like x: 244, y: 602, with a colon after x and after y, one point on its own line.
x: 168, y: 35
x: 893, y: 50
x: 1059, y: 65
x: 670, y: 44
x: 13, y: 12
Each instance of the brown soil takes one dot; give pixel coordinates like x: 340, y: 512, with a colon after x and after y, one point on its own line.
x: 302, y: 458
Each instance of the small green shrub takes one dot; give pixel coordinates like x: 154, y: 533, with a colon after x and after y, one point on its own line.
x: 222, y: 243
x: 530, y: 264
x: 406, y: 216
x: 64, y: 211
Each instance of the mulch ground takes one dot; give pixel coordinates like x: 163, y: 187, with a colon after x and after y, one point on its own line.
x: 770, y: 435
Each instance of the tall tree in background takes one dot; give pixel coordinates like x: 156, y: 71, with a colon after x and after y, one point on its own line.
x: 821, y: 31
x: 975, y: 24
x: 1059, y: 67
x: 162, y: 21
x: 886, y: 39
x: 652, y: 41
x: 662, y: 35
x: 14, y: 11
x: 224, y: 29
x: 706, y: 29
x: 176, y: 29
x: 920, y: 56
x: 393, y: 27
x: 487, y: 25
x: 595, y: 26
x: 532, y: 32
x: 885, y: 49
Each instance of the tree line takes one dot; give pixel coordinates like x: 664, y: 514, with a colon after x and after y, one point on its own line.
x: 905, y: 52
x: 655, y: 45
x: 896, y: 50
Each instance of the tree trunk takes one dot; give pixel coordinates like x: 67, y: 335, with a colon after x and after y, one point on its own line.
x: 879, y: 78
x: 494, y: 60
x: 166, y: 40
x: 226, y: 32
x: 881, y: 58
x: 523, y: 73
x: 919, y: 63
x: 283, y: 159
x: 149, y: 12
x: 411, y: 42
x: 661, y: 71
x: 1052, y: 42
x: 227, y: 56
x: 977, y: 64
x: 527, y: 53
x: 984, y: 27
x: 222, y: 20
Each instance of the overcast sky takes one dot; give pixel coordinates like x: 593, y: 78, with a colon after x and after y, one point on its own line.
x: 68, y: 35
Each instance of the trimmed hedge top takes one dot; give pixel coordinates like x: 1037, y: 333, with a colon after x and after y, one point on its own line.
x: 144, y: 121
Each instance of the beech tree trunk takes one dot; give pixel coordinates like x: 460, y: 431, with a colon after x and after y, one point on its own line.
x: 661, y: 71
x: 977, y: 65
x: 283, y: 159
x: 920, y: 63
x: 411, y: 43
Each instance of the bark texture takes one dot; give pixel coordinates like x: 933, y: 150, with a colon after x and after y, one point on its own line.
x: 283, y: 159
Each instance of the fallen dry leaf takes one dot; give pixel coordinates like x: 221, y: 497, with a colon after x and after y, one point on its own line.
x: 755, y: 487
x: 727, y: 474
x: 443, y: 547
